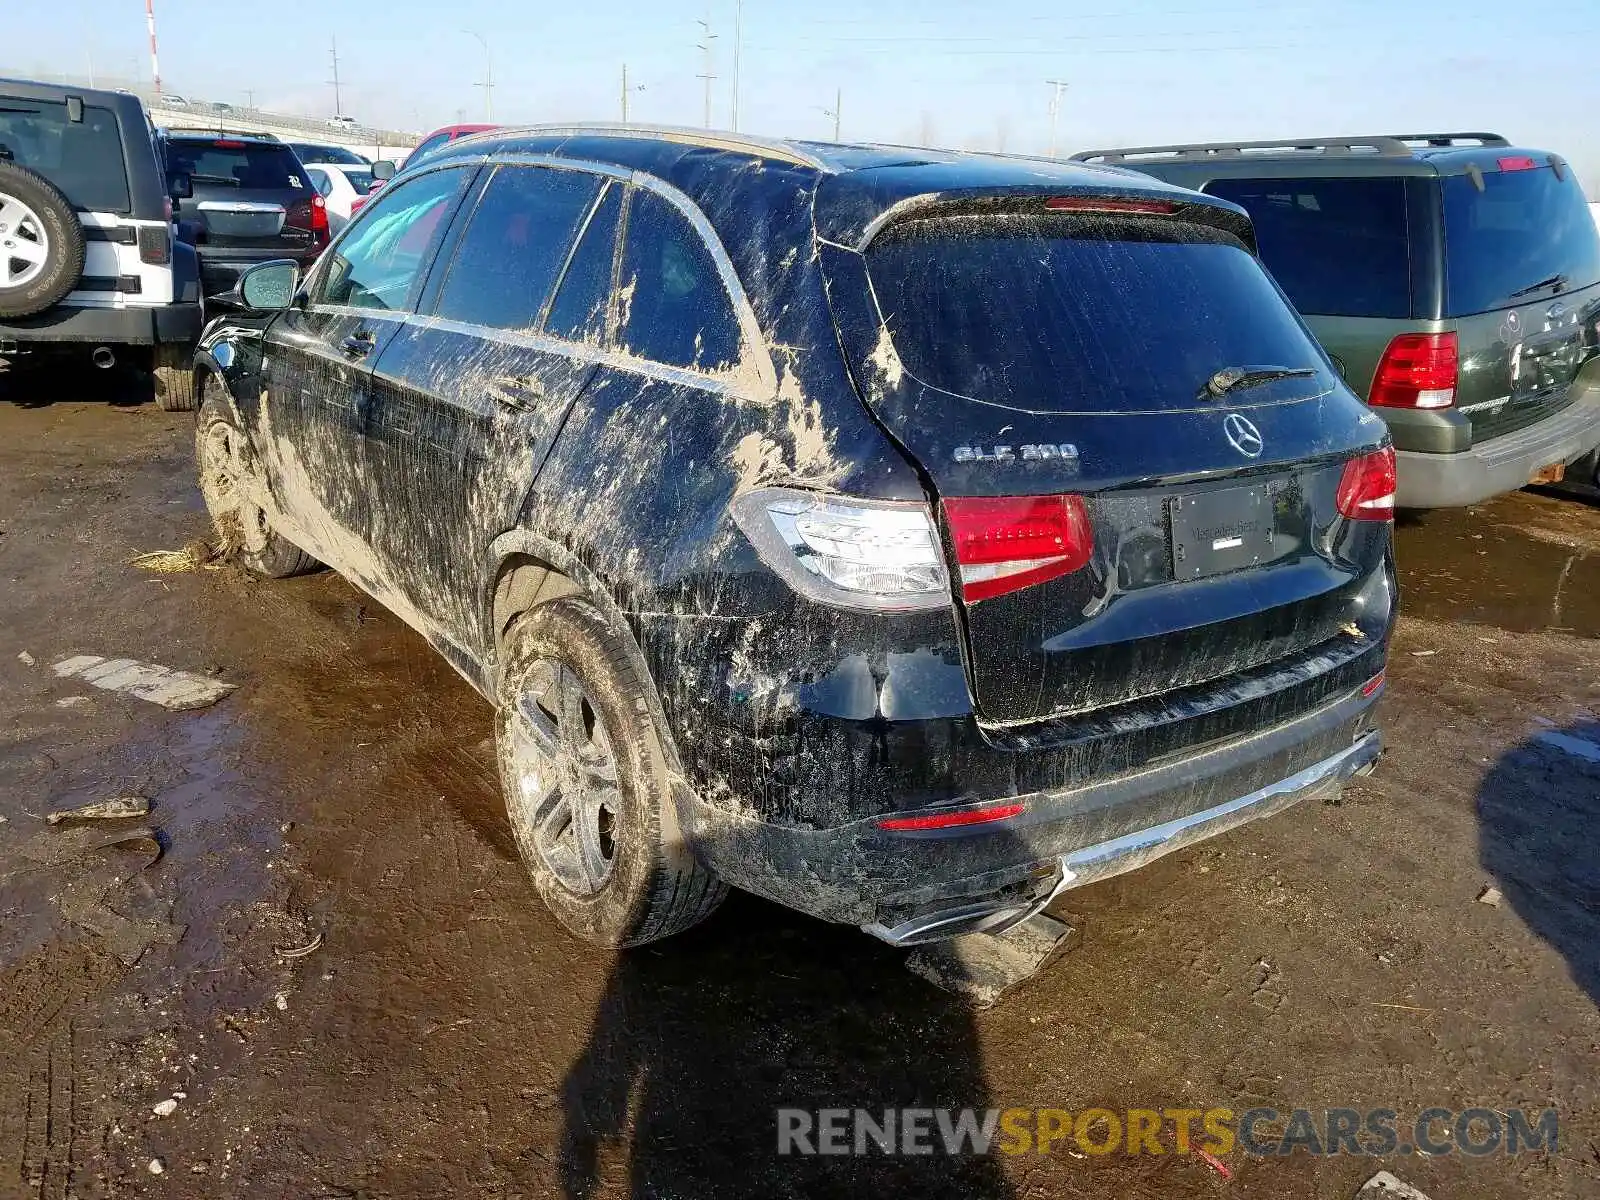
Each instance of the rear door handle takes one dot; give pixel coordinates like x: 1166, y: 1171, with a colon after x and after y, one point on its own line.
x: 359, y: 345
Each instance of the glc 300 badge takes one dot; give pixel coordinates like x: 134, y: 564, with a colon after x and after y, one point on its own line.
x: 1036, y: 452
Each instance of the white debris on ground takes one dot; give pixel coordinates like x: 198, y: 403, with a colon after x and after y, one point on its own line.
x: 177, y: 690
x: 1491, y: 896
x: 1384, y: 1186
x: 165, y: 1108
x: 118, y: 808
x: 26, y: 659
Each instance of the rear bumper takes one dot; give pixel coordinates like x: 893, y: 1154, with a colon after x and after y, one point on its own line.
x: 914, y: 886
x: 131, y: 326
x: 1502, y: 464
x: 220, y: 267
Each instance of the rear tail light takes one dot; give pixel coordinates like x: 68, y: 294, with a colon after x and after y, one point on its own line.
x: 1418, y: 370
x: 155, y: 245
x: 882, y: 555
x: 311, y: 215
x: 1012, y: 542
x: 1366, y: 489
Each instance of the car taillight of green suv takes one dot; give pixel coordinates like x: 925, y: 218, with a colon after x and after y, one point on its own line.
x: 1453, y: 278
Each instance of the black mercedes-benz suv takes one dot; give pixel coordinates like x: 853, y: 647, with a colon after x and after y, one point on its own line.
x: 903, y: 536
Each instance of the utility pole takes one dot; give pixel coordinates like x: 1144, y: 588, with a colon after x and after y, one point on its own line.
x: 1055, y: 112
x: 249, y: 97
x: 838, y: 111
x: 488, y: 76
x: 709, y: 73
x: 738, y: 48
x: 155, y: 63
x: 627, y: 90
x: 338, y: 105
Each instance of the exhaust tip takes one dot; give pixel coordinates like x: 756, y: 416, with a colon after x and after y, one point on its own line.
x: 104, y: 358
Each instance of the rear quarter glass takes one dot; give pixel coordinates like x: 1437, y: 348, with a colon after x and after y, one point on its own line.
x: 84, y: 159
x: 1520, y: 228
x: 1076, y: 314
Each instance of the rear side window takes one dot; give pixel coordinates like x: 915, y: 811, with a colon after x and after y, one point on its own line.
x: 83, y: 159
x: 515, y: 245
x: 1509, y: 242
x: 579, y: 309
x: 320, y: 180
x: 674, y: 308
x: 1338, y: 247
x: 228, y: 163
x: 1073, y: 315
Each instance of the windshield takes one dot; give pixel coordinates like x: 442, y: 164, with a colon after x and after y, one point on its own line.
x: 83, y: 159
x: 1028, y: 312
x: 1523, y: 228
x: 228, y: 163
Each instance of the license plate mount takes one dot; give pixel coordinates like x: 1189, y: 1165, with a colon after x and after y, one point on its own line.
x: 1224, y: 530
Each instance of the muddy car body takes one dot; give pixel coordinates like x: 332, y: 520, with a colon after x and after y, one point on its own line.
x: 881, y: 648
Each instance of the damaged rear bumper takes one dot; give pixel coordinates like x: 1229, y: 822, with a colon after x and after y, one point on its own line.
x: 914, y: 886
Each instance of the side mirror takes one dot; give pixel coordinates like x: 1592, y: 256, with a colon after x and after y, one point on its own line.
x: 180, y: 186
x: 383, y: 170
x: 265, y: 287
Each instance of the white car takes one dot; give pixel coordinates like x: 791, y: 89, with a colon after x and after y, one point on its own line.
x: 344, y: 189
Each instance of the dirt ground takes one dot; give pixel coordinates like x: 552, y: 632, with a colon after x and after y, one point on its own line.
x: 447, y: 1039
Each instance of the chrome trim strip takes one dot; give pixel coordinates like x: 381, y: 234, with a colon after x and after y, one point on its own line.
x: 240, y: 206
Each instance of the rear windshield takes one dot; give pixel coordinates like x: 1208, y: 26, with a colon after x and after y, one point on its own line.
x: 1053, y: 315
x: 1337, y: 246
x: 229, y: 163
x: 1524, y: 228
x: 84, y: 159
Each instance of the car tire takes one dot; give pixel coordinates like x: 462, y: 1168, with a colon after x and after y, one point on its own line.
x: 235, y: 490
x: 173, y: 369
x: 38, y: 221
x: 586, y: 767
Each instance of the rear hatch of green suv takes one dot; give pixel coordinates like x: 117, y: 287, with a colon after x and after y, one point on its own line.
x: 1522, y: 289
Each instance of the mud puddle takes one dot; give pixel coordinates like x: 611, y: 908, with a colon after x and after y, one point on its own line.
x: 1524, y: 563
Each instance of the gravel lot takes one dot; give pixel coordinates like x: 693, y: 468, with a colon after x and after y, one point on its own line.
x: 445, y: 1038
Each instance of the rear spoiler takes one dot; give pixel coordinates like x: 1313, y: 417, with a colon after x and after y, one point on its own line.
x: 1133, y: 204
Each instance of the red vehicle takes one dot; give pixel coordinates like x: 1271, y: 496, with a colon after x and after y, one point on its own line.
x: 443, y: 137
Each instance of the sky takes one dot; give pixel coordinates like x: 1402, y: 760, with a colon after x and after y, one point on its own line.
x: 965, y: 73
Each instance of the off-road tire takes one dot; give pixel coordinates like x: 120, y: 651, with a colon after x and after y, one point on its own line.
x: 656, y: 888
x: 272, y: 554
x: 65, y: 244
x: 173, y: 370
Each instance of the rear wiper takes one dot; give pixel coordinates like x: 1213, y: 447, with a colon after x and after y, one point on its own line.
x: 1555, y: 281
x: 1238, y: 379
x: 227, y: 179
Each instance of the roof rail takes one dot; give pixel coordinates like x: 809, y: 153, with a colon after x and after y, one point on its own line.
x: 1452, y: 139
x: 711, y: 139
x: 1382, y: 145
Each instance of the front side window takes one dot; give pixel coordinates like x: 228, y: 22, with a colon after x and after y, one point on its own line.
x: 515, y: 246
x: 380, y: 264
x: 83, y: 159
x: 674, y: 308
x: 1338, y: 247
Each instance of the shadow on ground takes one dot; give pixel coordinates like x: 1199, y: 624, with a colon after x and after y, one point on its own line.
x: 1539, y: 837
x: 696, y: 1045
x: 41, y: 382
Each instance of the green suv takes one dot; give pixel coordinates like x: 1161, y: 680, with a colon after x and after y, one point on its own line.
x: 1454, y: 280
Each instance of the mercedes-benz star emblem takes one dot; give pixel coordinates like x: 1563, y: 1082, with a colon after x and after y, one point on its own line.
x: 1243, y: 436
